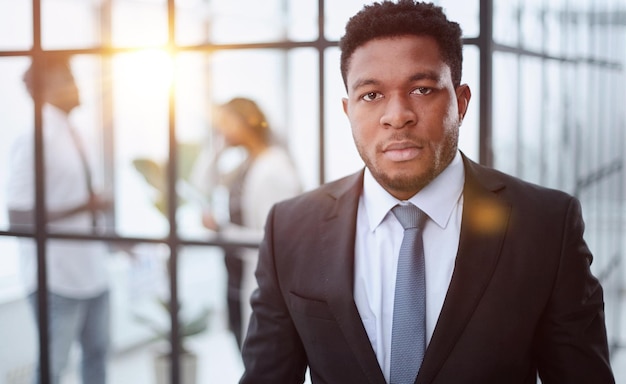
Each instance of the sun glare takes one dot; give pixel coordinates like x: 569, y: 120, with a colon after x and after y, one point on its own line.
x: 148, y: 71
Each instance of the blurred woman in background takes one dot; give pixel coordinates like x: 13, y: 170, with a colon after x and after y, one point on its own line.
x: 248, y: 172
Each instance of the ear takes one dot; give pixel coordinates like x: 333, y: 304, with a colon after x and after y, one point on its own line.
x: 344, y: 102
x: 463, y: 96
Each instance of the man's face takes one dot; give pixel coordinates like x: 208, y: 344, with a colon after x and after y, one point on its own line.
x: 61, y: 90
x: 404, y: 111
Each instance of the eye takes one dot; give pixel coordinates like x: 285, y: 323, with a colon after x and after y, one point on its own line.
x: 422, y: 90
x: 371, y: 96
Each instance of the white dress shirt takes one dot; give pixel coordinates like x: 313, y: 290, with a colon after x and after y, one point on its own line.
x: 76, y: 269
x: 378, y: 239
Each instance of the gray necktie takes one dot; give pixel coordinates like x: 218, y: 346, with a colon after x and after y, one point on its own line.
x: 408, y: 337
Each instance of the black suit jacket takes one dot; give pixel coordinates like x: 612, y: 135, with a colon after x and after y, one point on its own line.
x: 522, y: 299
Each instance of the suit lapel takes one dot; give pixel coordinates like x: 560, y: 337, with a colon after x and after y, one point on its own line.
x: 485, y: 218
x: 337, y: 256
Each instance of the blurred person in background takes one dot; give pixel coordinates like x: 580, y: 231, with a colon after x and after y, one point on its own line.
x: 262, y: 174
x: 77, y: 291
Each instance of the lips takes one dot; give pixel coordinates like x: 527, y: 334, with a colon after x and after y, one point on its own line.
x: 404, y: 151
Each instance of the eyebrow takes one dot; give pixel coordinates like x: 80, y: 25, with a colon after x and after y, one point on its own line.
x: 424, y: 75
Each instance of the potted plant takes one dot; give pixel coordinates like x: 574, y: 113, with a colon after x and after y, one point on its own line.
x: 187, y: 327
x: 154, y: 173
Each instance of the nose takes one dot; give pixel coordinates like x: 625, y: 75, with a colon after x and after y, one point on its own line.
x: 398, y: 113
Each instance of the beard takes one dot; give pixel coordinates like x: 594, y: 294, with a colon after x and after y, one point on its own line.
x: 408, y: 182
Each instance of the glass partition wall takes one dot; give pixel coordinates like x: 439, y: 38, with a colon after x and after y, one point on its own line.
x: 561, y: 65
x: 546, y: 76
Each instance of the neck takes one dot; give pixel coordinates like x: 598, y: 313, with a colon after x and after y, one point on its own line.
x: 256, y: 148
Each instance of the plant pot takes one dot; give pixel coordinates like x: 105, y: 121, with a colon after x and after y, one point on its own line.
x: 188, y: 368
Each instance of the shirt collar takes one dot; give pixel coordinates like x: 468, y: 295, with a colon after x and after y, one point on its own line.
x: 437, y: 199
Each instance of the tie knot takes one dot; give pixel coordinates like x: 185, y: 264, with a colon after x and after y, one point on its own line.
x: 409, y: 215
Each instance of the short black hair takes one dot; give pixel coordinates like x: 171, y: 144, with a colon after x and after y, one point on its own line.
x: 405, y: 17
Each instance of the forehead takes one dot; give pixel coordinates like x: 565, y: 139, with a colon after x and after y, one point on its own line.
x: 393, y: 57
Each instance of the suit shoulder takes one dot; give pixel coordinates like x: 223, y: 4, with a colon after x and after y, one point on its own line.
x: 496, y: 179
x: 516, y: 189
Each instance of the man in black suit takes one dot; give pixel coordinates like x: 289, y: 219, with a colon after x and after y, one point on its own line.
x: 509, y: 295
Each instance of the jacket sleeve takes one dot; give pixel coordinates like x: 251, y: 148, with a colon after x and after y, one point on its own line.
x: 272, y: 352
x: 571, y: 343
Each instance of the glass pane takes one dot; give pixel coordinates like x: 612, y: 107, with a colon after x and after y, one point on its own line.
x: 201, y: 21
x: 303, y: 18
x: 531, y: 94
x: 193, y: 21
x: 140, y: 90
x: 204, y: 270
x: 506, y: 22
x: 69, y: 24
x: 586, y: 122
x: 18, y: 351
x: 303, y: 114
x: 16, y: 114
x: 342, y: 157
x: 555, y: 31
x: 531, y: 25
x: 247, y: 21
x: 16, y: 25
x: 568, y: 131
x: 139, y: 23
x: 557, y: 140
x: 469, y: 133
x: 193, y: 129
x: 466, y: 13
x: 140, y: 322
x: 337, y: 15
x: 505, y: 112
